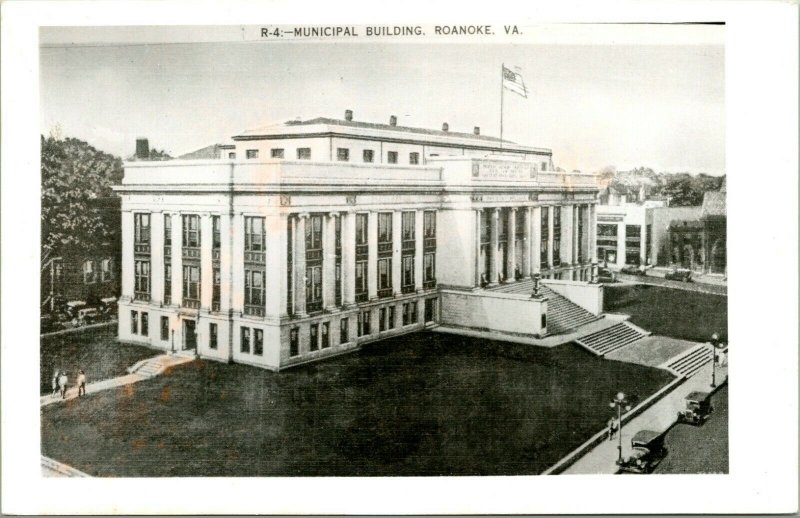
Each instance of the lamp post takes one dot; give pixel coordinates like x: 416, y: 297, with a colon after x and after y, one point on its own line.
x: 618, y: 402
x: 714, y: 342
x: 536, y: 278
x: 594, y: 279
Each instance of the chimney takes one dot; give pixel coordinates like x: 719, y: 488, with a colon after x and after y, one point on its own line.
x: 392, y: 120
x: 348, y: 115
x: 477, y: 130
x: 142, y: 149
x: 445, y: 126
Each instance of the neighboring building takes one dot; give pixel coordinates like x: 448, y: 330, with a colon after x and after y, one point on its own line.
x: 71, y: 274
x: 322, y: 235
x: 211, y: 152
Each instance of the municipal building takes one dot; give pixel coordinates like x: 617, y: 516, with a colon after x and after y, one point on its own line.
x: 309, y: 238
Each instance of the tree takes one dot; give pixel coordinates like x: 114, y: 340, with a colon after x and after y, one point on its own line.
x: 73, y: 174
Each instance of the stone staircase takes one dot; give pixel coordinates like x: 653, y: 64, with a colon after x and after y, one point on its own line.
x: 563, y: 315
x: 611, y: 338
x: 689, y: 362
x: 151, y: 367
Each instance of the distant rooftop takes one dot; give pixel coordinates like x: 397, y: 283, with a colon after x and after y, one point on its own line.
x: 714, y: 204
x: 208, y: 152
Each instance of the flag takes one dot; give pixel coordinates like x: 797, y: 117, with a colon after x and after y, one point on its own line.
x: 513, y: 81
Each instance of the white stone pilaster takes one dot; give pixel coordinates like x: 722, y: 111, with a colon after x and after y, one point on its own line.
x: 177, y: 259
x: 372, y: 255
x: 206, y: 272
x: 536, y: 244
x: 348, y: 259
x: 275, y: 267
x: 157, y: 257
x: 225, y: 263
x: 128, y: 272
x: 511, y: 245
x: 493, y: 244
x: 329, y: 260
x: 397, y: 244
x: 419, y: 249
x: 300, y: 265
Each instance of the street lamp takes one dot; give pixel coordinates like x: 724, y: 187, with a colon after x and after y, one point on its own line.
x: 619, y: 402
x: 536, y: 278
x: 714, y: 345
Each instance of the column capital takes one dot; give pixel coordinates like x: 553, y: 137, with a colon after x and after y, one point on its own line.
x: 496, y: 210
x: 303, y: 215
x: 514, y: 209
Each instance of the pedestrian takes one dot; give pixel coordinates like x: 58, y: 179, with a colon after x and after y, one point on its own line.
x: 55, y: 382
x: 62, y: 384
x: 612, y: 428
x: 81, y: 383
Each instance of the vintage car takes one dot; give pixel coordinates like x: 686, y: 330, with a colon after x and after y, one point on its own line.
x: 633, y: 270
x: 648, y: 452
x: 679, y: 275
x: 108, y: 306
x: 606, y: 275
x: 698, y: 408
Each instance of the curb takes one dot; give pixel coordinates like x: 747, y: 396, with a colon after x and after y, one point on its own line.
x: 79, y: 329
x: 572, y: 457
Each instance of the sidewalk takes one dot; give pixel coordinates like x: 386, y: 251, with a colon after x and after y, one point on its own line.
x: 659, y: 417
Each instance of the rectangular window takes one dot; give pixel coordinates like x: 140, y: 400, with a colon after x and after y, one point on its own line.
x: 366, y: 316
x: 167, y: 282
x: 382, y: 319
x: 313, y: 334
x: 216, y: 287
x: 390, y: 318
x: 544, y: 166
x: 430, y: 310
x: 409, y: 225
x: 361, y: 229
x: 145, y: 324
x: 304, y: 153
x: 342, y: 154
x: 191, y: 282
x: 413, y: 158
x: 167, y: 230
x: 414, y: 311
x: 429, y: 223
x: 258, y: 342
x: 276, y: 152
x: 406, y: 314
x: 325, y: 336
x: 216, y: 240
x: 89, y: 275
x: 252, y: 153
x: 106, y: 270
x: 429, y: 272
x: 232, y: 155
x: 344, y: 331
x: 361, y: 277
x: 164, y: 329
x: 141, y: 228
x: 314, y: 232
x: 314, y: 288
x: 191, y: 230
x: 369, y: 156
x: 557, y: 216
x: 134, y: 322
x: 294, y: 342
x: 391, y: 157
x: 254, y: 287
x: 408, y: 271
x: 141, y: 282
x: 385, y: 273
x: 244, y: 343
x: 212, y: 336
x: 385, y: 227
x: 254, y: 234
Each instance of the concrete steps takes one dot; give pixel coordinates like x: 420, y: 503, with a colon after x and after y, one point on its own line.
x: 611, y: 338
x: 690, y: 362
x: 151, y: 367
x: 564, y: 315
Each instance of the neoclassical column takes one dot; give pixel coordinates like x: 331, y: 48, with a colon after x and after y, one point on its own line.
x: 525, y: 241
x: 300, y: 265
x: 157, y: 257
x: 397, y: 240
x: 576, y: 236
x: 237, y: 263
x: 225, y: 263
x: 566, y: 234
x: 477, y: 248
x: 276, y: 284
x: 536, y: 240
x: 329, y: 261
x: 128, y: 272
x: 550, y: 222
x: 493, y: 244
x: 419, y: 245
x: 177, y: 259
x: 642, y: 244
x: 206, y: 268
x: 372, y: 255
x: 592, y: 230
x: 348, y: 258
x: 511, y: 245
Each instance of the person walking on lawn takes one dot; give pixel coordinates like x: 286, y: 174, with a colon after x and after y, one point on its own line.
x: 55, y: 382
x: 81, y: 383
x: 612, y: 428
x: 62, y: 384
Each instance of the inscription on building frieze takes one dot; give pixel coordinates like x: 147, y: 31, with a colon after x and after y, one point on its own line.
x: 497, y: 170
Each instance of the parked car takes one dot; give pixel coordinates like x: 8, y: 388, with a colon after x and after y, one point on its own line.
x: 606, y: 275
x: 633, y: 270
x: 648, y: 452
x: 698, y: 408
x: 679, y: 275
x: 89, y: 315
x: 109, y: 307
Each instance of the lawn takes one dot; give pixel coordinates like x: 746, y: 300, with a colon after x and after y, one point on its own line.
x: 422, y: 404
x: 671, y: 312
x: 95, y: 350
x: 701, y: 449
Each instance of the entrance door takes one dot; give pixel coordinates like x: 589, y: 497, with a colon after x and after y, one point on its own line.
x: 189, y: 335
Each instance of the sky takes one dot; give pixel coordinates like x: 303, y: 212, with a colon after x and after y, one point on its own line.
x: 620, y: 105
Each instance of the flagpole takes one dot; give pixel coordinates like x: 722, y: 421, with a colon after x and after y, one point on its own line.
x: 502, y: 78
